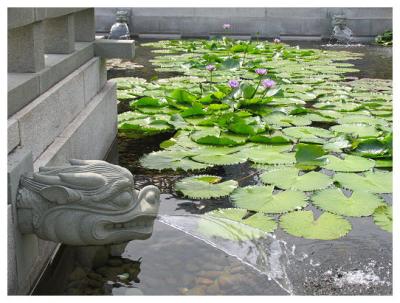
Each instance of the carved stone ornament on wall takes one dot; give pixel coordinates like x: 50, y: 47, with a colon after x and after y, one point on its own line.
x: 89, y: 202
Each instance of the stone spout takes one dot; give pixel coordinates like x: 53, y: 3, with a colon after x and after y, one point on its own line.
x: 89, y: 202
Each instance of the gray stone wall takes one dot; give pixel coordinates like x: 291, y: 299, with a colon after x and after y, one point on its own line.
x: 60, y: 106
x: 268, y: 22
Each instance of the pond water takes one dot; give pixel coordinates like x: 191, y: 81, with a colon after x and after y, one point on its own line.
x: 178, y: 260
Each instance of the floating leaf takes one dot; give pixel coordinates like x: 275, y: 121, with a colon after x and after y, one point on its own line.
x: 383, y: 163
x: 378, y: 182
x: 283, y: 120
x: 288, y: 178
x: 359, y: 204
x: 336, y: 144
x: 308, y: 134
x: 228, y: 224
x: 309, y: 156
x: 204, y: 187
x: 261, y: 198
x: 372, y: 148
x: 350, y: 119
x: 213, y: 136
x: 171, y: 160
x: 383, y: 217
x: 327, y: 227
x: 195, y: 110
x: 220, y: 159
x: 270, y: 139
x: 182, y: 96
x: 148, y: 101
x: 358, y: 130
x: 350, y: 163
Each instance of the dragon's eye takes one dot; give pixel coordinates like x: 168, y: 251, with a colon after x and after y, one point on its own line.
x: 123, y: 200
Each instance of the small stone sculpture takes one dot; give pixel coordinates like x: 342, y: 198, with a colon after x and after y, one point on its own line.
x: 89, y: 202
x: 341, y: 32
x: 120, y: 30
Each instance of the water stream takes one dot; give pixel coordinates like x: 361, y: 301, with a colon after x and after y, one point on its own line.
x: 269, y: 256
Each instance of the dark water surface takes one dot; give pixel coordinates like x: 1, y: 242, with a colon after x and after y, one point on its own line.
x: 174, y: 262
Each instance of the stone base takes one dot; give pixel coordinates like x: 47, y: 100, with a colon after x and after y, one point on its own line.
x: 88, y: 136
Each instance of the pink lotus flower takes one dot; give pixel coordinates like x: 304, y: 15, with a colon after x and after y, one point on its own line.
x: 226, y: 26
x: 233, y: 83
x: 277, y: 40
x: 261, y: 71
x: 210, y: 68
x: 268, y: 83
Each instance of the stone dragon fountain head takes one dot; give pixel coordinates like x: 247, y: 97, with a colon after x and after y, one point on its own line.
x: 89, y: 202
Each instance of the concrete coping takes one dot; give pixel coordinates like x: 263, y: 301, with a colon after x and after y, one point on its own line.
x: 24, y: 87
x: 107, y: 48
x: 21, y: 16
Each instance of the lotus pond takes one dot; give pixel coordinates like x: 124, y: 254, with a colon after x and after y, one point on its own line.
x: 274, y: 163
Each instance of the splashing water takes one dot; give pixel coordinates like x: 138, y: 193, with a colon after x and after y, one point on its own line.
x: 268, y: 256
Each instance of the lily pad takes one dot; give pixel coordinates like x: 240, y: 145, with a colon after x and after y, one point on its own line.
x: 261, y: 198
x: 350, y: 163
x: 309, y: 156
x: 359, y: 204
x: 288, y: 178
x: 220, y: 159
x: 383, y: 217
x: 356, y: 129
x: 308, y: 134
x: 377, y: 182
x: 327, y: 227
x: 171, y: 160
x: 204, y: 187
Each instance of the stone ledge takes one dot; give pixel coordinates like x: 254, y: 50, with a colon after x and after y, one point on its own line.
x: 59, y: 66
x: 42, y: 120
x: 89, y: 135
x: 13, y: 138
x: 21, y: 16
x: 24, y: 87
x: 123, y: 49
x: 19, y: 162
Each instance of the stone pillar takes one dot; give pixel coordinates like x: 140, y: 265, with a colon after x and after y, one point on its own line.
x: 59, y: 35
x: 26, y: 49
x: 85, y: 26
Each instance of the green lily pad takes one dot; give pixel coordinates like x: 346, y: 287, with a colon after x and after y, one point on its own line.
x: 327, y: 227
x: 270, y: 154
x: 228, y: 223
x: 213, y: 136
x: 336, y: 144
x: 377, y: 182
x: 309, y: 156
x: 171, y: 160
x: 373, y: 148
x: 350, y: 163
x: 383, y: 217
x: 220, y: 159
x: 288, y: 178
x: 350, y: 119
x: 356, y: 129
x: 204, y: 187
x: 308, y: 134
x: 359, y: 204
x: 261, y: 198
